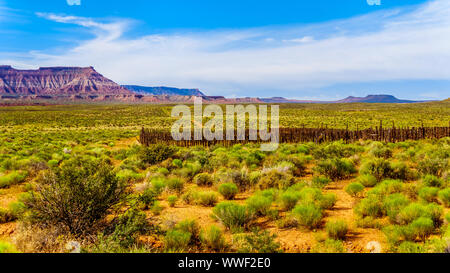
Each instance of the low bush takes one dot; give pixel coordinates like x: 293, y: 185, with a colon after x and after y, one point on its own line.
x: 7, y: 248
x: 155, y: 154
x: 213, y: 238
x: 367, y: 180
x: 259, y: 204
x: 177, y: 240
x: 207, y: 198
x: 320, y: 181
x: 148, y: 197
x: 410, y: 247
x: 444, y: 197
x: 337, y: 229
x: 275, y: 179
x: 327, y: 201
x: 329, y: 246
x: 77, y: 196
x: 190, y: 226
x: 432, y: 181
x: 308, y: 215
x: 12, y: 178
x: 433, y: 166
x: 260, y: 242
x: 354, y: 189
x: 172, y: 200
x: 428, y: 194
x: 336, y: 168
x: 203, y: 179
x: 228, y: 190
x: 233, y: 215
x: 128, y: 227
x: 370, y: 206
x: 289, y: 199
x: 6, y: 216
x: 175, y: 184
x: 378, y: 168
x: 422, y: 227
x: 393, y: 204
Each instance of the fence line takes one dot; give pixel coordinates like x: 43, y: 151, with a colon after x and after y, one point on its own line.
x: 317, y: 135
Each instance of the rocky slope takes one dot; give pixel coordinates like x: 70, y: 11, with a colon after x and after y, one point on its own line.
x: 57, y: 82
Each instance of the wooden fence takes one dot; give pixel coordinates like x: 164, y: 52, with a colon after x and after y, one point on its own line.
x: 317, y: 135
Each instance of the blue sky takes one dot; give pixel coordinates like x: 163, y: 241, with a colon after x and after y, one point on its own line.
x: 321, y: 49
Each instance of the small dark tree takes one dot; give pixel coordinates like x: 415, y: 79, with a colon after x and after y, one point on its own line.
x: 76, y: 196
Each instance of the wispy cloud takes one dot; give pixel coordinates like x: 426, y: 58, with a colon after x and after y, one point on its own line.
x: 398, y: 44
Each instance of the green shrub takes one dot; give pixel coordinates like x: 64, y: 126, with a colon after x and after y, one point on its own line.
x: 233, y: 215
x: 320, y: 181
x: 354, y: 189
x: 156, y: 208
x: 308, y: 215
x: 422, y: 227
x: 336, y: 168
x: 428, y: 194
x: 444, y: 197
x: 275, y: 179
x: 77, y: 195
x: 382, y: 152
x: 148, y: 197
x: 190, y: 196
x: 433, y: 166
x: 410, y: 247
x: 410, y: 213
x: 327, y: 201
x: 128, y: 227
x: 175, y: 184
x: 432, y: 181
x: 259, y: 204
x: 228, y: 190
x: 163, y: 171
x: 6, y: 216
x: 416, y: 210
x: 156, y: 153
x: 213, y: 238
x: 190, y: 226
x: 400, y: 170
x: 7, y: 248
x: 207, y: 199
x: 177, y: 163
x: 378, y: 168
x: 393, y: 204
x: 13, y: 178
x: 367, y: 180
x: 158, y: 184
x: 177, y: 240
x: 289, y: 199
x: 260, y: 242
x: 337, y: 229
x: 172, y: 200
x: 203, y: 179
x: 370, y: 206
x: 329, y: 246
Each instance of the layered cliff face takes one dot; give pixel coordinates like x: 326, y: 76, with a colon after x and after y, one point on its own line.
x: 57, y: 81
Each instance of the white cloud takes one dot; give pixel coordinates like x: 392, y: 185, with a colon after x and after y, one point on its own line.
x: 74, y: 2
x: 390, y: 45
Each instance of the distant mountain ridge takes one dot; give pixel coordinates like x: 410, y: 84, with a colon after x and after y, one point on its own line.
x: 162, y: 90
x: 86, y: 84
x: 375, y: 99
